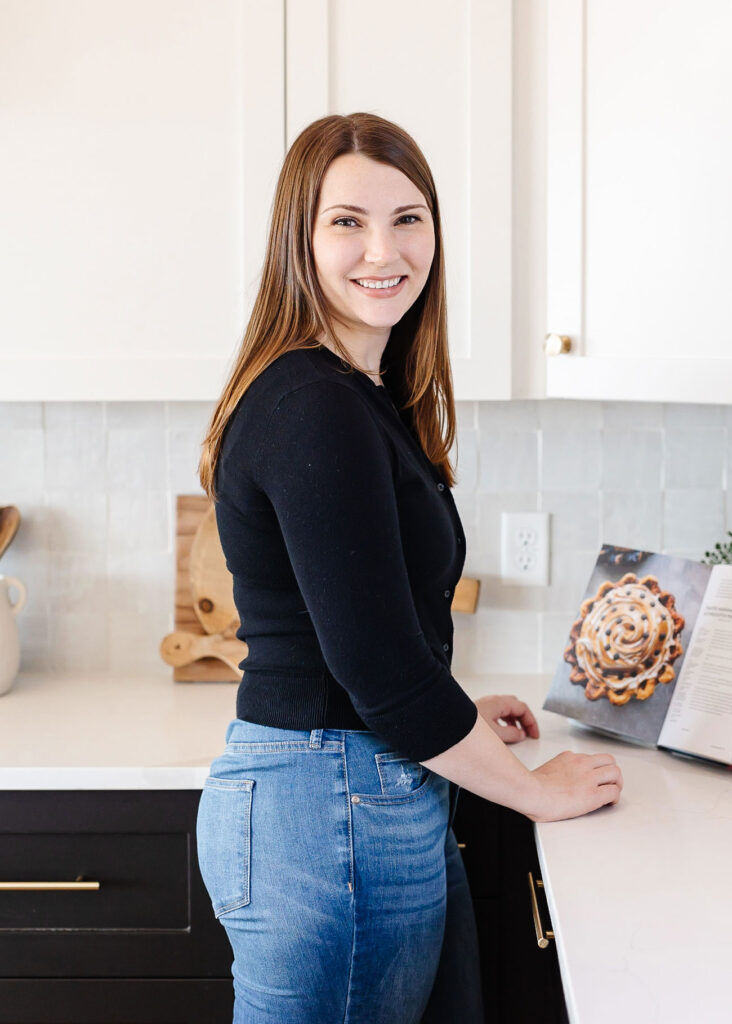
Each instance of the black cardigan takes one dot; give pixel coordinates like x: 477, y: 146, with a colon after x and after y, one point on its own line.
x: 345, y: 546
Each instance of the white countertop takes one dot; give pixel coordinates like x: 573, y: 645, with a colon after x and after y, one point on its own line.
x: 639, y: 893
x: 111, y: 731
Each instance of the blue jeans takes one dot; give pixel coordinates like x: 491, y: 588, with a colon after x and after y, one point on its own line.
x: 331, y: 862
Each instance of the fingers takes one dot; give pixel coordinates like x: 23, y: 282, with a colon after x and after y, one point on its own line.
x: 607, y: 774
x: 508, y: 732
x: 511, y: 733
x: 604, y: 775
x: 520, y: 715
x: 605, y: 770
x: 609, y: 794
x: 599, y: 760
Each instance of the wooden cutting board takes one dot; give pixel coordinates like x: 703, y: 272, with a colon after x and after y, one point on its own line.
x: 212, y: 587
x: 190, y: 510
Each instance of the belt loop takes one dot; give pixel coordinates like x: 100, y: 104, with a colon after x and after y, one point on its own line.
x: 316, y: 739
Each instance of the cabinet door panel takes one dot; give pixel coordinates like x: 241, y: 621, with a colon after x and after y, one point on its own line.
x: 521, y: 982
x: 477, y: 826
x: 143, y: 881
x: 442, y: 72
x: 91, y: 1001
x: 151, y: 916
x: 639, y: 207
x: 143, y: 143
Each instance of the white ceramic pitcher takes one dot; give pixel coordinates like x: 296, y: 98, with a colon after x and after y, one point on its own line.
x: 9, y: 639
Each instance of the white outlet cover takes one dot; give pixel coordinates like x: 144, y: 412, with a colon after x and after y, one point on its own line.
x: 525, y: 549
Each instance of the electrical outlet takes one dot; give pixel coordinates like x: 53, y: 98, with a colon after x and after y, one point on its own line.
x: 525, y: 548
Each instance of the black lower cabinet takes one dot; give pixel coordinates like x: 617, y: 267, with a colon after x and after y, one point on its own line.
x: 521, y: 981
x: 143, y: 946
x: 115, y: 1001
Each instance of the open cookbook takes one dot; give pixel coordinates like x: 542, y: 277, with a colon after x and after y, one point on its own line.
x: 649, y: 656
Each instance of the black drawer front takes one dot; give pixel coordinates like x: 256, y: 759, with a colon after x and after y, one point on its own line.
x: 96, y: 1001
x: 151, y: 916
x: 143, y: 881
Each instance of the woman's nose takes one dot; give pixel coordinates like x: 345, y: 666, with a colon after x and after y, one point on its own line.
x: 380, y: 246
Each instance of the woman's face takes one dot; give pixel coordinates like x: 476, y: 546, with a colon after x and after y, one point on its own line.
x: 390, y: 236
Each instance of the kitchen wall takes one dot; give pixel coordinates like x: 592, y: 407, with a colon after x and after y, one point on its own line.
x: 96, y: 486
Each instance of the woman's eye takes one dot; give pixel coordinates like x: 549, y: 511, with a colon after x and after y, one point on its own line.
x: 407, y: 216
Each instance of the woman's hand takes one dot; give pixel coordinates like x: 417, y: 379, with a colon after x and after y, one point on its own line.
x: 519, y: 721
x: 572, y: 784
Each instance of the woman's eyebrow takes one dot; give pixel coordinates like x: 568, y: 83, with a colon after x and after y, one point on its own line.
x: 360, y: 209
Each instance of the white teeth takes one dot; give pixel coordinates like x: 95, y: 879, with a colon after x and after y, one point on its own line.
x: 380, y: 284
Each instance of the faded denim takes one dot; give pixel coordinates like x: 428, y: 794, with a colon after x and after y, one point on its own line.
x: 331, y: 862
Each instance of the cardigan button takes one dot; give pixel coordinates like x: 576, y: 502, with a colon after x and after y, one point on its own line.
x: 446, y: 647
x: 446, y: 593
x: 440, y: 487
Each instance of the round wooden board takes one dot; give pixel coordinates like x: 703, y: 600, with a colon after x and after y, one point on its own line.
x: 212, y: 585
x: 9, y: 523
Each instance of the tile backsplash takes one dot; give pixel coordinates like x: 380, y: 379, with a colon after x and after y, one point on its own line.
x: 96, y: 484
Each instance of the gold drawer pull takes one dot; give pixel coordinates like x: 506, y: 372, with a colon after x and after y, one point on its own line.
x: 542, y: 937
x: 17, y: 886
x: 461, y: 846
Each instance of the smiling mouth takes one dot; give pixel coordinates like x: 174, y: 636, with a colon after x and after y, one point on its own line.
x: 379, y: 289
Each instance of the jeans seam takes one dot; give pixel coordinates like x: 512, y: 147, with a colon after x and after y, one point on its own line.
x: 350, y: 966
x: 274, y: 746
x: 349, y: 819
x: 243, y: 901
x: 352, y: 883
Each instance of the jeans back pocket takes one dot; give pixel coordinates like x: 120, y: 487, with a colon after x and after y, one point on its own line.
x: 224, y: 841
x: 399, y: 775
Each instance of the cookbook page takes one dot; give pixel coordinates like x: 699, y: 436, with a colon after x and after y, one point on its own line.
x: 699, y: 718
x: 626, y: 646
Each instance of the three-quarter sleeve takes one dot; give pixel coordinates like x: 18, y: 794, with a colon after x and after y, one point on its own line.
x: 327, y: 470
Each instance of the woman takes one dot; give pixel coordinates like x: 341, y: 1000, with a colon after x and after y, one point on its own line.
x: 324, y: 833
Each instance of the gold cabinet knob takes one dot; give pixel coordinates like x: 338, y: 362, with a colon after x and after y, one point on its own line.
x: 557, y: 344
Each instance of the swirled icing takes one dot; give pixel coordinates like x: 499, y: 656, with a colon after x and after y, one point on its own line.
x: 625, y: 638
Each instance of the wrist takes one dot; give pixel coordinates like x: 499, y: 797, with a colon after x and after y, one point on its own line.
x: 531, y: 797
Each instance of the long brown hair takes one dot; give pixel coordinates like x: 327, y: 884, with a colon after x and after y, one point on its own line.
x: 290, y: 310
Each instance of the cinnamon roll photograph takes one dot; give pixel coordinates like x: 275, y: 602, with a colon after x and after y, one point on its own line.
x: 627, y: 642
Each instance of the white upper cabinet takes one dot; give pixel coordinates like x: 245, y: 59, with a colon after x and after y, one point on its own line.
x: 442, y: 71
x: 141, y: 146
x: 639, y: 198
